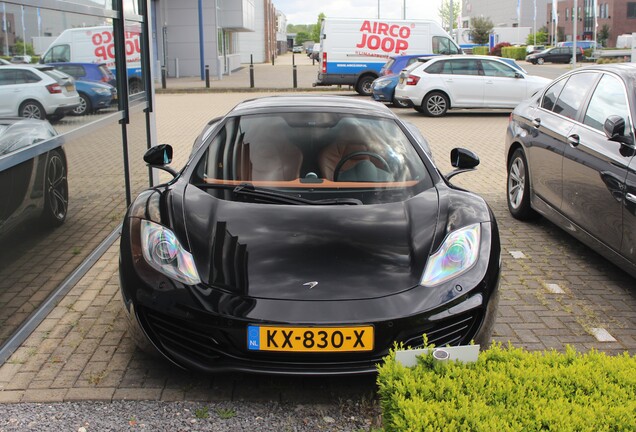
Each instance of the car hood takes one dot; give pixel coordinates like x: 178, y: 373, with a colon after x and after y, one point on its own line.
x: 310, y: 252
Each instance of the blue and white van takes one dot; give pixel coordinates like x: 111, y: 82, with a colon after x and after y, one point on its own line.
x: 97, y: 45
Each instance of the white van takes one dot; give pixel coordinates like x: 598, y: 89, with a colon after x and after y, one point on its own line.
x: 352, y: 51
x: 97, y: 45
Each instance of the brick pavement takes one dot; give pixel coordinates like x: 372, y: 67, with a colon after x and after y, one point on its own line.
x: 81, y: 351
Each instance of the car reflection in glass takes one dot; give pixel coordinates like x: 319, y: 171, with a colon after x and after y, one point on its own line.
x: 36, y: 187
x: 307, y: 235
x: 570, y: 157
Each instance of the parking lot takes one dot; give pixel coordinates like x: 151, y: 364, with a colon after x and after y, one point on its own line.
x: 555, y: 291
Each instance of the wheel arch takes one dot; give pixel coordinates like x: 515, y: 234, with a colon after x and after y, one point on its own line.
x: 31, y: 99
x: 450, y: 101
x: 514, y: 146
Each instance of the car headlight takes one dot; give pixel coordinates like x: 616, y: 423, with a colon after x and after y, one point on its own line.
x: 380, y: 84
x: 163, y: 252
x: 101, y: 90
x: 457, y: 254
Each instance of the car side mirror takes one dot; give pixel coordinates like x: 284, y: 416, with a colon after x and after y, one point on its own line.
x: 518, y: 75
x: 159, y: 156
x: 462, y: 159
x: 614, y: 128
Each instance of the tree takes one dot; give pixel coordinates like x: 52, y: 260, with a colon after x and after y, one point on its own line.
x: 542, y: 38
x: 603, y: 35
x: 315, y: 34
x: 444, y: 12
x: 302, y: 37
x: 480, y: 29
x: 18, y: 48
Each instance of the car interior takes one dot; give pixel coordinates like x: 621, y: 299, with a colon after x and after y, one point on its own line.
x: 310, y: 151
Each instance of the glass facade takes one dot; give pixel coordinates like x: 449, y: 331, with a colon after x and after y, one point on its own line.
x: 66, y: 182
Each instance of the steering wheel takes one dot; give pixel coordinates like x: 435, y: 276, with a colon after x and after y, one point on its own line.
x: 336, y: 171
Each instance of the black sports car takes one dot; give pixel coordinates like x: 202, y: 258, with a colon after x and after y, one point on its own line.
x: 33, y: 170
x: 307, y: 235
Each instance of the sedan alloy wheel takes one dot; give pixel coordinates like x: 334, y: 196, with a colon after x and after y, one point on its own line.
x: 435, y: 104
x: 56, y: 190
x: 518, y: 187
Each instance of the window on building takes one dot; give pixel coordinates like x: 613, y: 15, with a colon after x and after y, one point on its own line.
x: 567, y: 14
x: 631, y: 10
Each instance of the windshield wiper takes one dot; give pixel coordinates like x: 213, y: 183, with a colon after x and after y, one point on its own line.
x: 269, y: 196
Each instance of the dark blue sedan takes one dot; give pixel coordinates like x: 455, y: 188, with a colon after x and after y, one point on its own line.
x: 94, y: 96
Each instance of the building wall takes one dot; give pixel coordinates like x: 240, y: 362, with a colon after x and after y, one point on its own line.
x: 253, y: 43
x: 177, y: 24
x: 503, y: 13
x: 616, y: 19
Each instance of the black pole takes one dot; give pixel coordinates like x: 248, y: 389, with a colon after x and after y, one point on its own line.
x: 272, y: 59
x: 251, y: 72
x: 207, y: 76
x: 163, y: 77
x: 295, y: 76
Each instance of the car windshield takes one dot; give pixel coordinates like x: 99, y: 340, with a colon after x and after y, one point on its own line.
x: 313, y: 155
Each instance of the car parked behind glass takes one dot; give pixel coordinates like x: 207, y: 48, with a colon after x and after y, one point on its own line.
x: 36, y: 91
x: 555, y: 55
x: 570, y: 157
x: 466, y: 81
x: 98, y: 72
x: 36, y: 187
x: 94, y: 96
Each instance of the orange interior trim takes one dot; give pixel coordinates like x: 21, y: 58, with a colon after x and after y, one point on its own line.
x: 325, y: 184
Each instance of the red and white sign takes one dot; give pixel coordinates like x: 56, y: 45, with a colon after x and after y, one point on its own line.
x: 384, y: 37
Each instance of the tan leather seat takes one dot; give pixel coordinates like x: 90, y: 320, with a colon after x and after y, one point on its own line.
x: 271, y: 154
x: 350, y: 139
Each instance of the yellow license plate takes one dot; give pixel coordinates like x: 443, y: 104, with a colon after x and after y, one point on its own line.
x: 70, y: 87
x: 310, y: 339
x: 401, y: 80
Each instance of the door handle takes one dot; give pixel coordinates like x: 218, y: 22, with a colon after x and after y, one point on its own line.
x: 574, y: 140
x: 536, y: 123
x: 630, y: 197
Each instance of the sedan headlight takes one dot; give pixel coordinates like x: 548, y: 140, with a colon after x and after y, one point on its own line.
x: 458, y: 253
x: 381, y: 84
x: 163, y: 252
x: 101, y: 90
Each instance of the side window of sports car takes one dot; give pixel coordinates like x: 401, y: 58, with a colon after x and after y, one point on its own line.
x: 214, y: 163
x: 574, y: 93
x: 608, y: 98
x: 552, y: 94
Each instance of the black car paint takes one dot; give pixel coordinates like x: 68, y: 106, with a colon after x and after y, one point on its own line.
x: 579, y: 178
x: 23, y: 175
x: 255, y: 258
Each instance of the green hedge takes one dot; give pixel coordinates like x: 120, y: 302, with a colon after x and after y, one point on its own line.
x: 481, y: 50
x: 510, y: 389
x: 517, y: 53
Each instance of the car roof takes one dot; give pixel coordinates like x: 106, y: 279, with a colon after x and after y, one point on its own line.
x: 77, y: 63
x: 28, y: 66
x: 311, y: 102
x: 626, y: 70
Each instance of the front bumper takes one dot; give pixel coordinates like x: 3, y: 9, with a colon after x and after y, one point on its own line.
x: 205, y: 329
x: 404, y: 100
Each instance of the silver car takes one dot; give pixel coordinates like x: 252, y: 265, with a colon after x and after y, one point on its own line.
x: 36, y: 91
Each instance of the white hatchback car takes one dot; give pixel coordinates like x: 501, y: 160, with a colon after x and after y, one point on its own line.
x: 36, y: 91
x: 439, y: 83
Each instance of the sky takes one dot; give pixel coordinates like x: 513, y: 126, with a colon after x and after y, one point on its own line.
x: 307, y: 11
